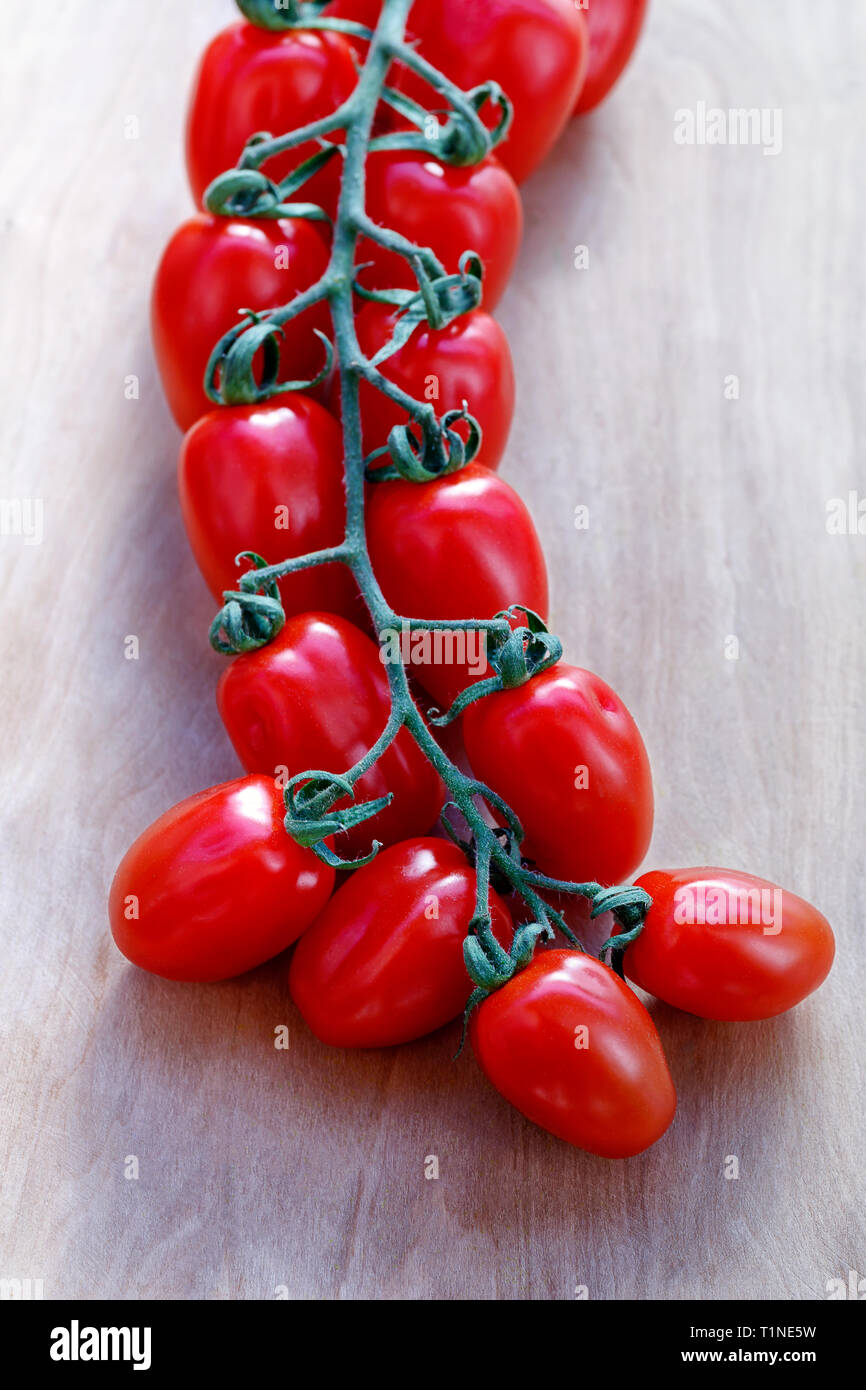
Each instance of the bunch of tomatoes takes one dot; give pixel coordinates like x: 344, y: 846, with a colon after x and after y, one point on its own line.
x: 217, y: 885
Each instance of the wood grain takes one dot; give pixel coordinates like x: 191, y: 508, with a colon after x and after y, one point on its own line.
x: 304, y: 1169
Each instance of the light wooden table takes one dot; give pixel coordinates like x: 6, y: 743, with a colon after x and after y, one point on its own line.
x: 305, y: 1168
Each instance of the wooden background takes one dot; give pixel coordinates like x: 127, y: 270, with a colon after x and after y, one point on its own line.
x: 305, y: 1169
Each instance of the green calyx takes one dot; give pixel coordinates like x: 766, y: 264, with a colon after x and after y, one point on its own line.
x: 309, y: 819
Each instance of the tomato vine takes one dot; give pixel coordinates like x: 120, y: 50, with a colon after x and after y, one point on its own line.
x: 427, y: 448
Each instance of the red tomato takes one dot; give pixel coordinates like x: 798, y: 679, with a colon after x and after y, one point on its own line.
x: 535, y: 49
x: 577, y: 1053
x: 470, y: 361
x: 251, y: 80
x: 268, y: 478
x: 317, y: 698
x: 566, y: 755
x: 463, y: 546
x: 383, y: 964
x: 212, y: 268
x: 446, y: 209
x: 216, y: 886
x: 614, y: 28
x: 726, y: 945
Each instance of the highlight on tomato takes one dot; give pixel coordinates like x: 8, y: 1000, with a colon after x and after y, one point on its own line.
x: 462, y: 546
x: 727, y: 945
x: 216, y: 886
x: 448, y: 209
x: 253, y: 80
x: 383, y: 963
x: 211, y: 269
x: 570, y: 1045
x: 614, y: 28
x: 567, y: 756
x: 317, y: 698
x: 468, y: 361
x: 268, y: 478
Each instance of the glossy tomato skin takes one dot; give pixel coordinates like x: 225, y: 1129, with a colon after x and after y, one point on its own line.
x: 568, y: 758
x: 212, y: 268
x: 317, y: 698
x: 268, y: 478
x: 469, y: 361
x: 252, y: 80
x: 383, y: 963
x: 462, y: 546
x: 726, y: 945
x: 447, y: 209
x: 614, y: 1095
x: 535, y: 49
x: 220, y: 886
x: 614, y: 28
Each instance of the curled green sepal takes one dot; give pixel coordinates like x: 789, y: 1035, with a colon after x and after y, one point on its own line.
x: 466, y: 698
x: 488, y: 976
x: 525, y: 941
x: 515, y: 656
x: 247, y: 192
x: 251, y: 616
x: 438, y: 451
x: 629, y: 906
x: 460, y: 139
x: 229, y: 377
x: 310, y: 819
x: 519, y: 655
x: 439, y: 299
x: 444, y: 299
x: 464, y: 141
x: 481, y: 968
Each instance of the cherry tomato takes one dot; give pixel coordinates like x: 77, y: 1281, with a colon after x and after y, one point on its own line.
x: 383, y: 964
x: 252, y: 80
x: 446, y: 209
x: 317, y: 698
x: 568, y: 1044
x: 462, y: 546
x: 268, y: 478
x: 212, y: 268
x: 535, y: 49
x: 469, y: 361
x: 614, y: 28
x: 566, y: 755
x: 216, y: 886
x: 726, y: 945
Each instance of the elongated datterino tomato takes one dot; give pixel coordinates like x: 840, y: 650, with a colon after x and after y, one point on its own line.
x: 462, y: 546
x: 317, y: 698
x: 251, y: 80
x: 468, y: 362
x: 383, y: 963
x: 566, y: 755
x: 216, y: 886
x: 570, y: 1045
x: 211, y: 270
x: 446, y: 208
x: 727, y: 945
x: 268, y: 479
